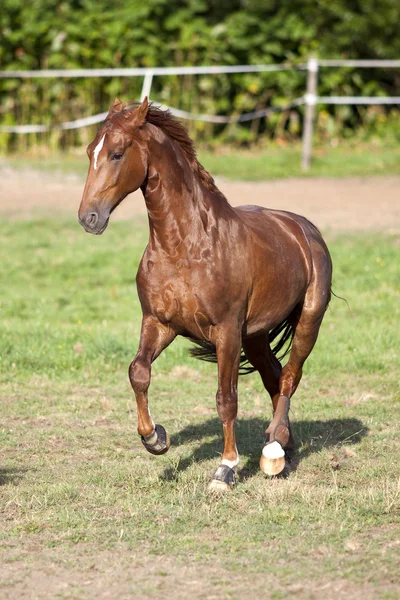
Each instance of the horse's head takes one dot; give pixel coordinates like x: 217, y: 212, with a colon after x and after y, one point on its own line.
x: 118, y: 165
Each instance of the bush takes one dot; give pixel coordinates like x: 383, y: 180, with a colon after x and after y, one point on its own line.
x: 48, y: 34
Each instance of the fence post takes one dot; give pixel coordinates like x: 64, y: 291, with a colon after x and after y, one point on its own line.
x: 310, y: 100
x: 148, y: 80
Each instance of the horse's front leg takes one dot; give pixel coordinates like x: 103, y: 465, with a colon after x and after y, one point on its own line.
x: 154, y: 338
x: 228, y: 347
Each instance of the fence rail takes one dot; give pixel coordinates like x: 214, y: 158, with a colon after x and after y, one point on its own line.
x: 310, y: 98
x: 363, y: 64
x: 143, y: 71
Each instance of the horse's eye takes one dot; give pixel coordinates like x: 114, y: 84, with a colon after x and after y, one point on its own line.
x: 116, y: 157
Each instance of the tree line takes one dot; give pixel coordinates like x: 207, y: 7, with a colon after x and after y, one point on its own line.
x: 49, y: 34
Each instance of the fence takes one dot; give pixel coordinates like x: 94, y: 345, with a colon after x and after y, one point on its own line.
x: 310, y: 98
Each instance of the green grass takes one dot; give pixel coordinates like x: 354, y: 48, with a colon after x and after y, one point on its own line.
x: 257, y: 165
x: 278, y: 163
x: 74, y: 478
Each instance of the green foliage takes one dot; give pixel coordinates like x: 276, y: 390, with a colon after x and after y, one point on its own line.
x: 46, y: 34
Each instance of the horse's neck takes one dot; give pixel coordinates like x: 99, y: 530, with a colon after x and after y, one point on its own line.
x: 178, y: 203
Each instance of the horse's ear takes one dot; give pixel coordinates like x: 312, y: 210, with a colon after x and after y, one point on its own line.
x: 116, y: 106
x: 138, y: 116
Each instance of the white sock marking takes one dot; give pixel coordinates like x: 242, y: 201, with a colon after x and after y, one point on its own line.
x: 230, y: 463
x: 97, y: 150
x: 273, y: 450
x: 152, y: 438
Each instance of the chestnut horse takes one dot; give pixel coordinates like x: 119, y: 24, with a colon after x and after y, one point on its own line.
x: 242, y: 283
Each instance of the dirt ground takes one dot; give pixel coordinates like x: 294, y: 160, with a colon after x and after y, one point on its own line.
x: 350, y: 204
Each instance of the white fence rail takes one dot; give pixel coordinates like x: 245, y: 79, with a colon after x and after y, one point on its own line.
x: 310, y: 98
x: 154, y: 71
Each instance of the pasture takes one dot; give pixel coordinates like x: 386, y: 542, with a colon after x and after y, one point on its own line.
x: 87, y: 513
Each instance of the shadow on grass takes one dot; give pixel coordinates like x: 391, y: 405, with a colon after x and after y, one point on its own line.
x: 11, y: 475
x: 310, y: 437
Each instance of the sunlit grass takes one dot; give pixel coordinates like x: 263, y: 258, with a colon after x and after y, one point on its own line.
x: 73, y: 470
x: 257, y: 164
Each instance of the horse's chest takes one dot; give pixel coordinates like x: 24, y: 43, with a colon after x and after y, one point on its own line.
x: 172, y: 300
x: 179, y: 295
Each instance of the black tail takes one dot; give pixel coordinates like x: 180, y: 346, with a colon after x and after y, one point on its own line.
x: 344, y: 300
x: 282, y: 335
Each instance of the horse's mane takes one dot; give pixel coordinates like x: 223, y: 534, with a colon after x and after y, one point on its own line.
x: 164, y: 120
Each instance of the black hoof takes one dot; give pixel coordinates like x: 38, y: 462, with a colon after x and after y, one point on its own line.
x: 223, y: 478
x: 162, y: 443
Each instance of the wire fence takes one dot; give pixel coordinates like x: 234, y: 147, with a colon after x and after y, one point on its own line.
x: 310, y: 99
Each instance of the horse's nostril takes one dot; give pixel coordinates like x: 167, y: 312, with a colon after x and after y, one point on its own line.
x: 92, y: 219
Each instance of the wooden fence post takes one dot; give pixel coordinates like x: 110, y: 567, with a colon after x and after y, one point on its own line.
x: 148, y: 80
x: 310, y: 100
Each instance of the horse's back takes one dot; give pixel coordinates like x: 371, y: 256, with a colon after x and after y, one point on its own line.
x: 259, y: 215
x: 267, y: 222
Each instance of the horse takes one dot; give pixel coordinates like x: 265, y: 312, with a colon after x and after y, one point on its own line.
x: 243, y: 283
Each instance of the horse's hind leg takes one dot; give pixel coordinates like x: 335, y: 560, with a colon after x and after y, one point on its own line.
x: 260, y: 355
x: 154, y: 338
x: 306, y: 332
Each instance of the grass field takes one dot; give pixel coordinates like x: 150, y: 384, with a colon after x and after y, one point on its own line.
x: 258, y: 164
x: 85, y: 507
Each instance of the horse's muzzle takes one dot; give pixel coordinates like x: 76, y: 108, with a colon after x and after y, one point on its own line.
x: 94, y: 222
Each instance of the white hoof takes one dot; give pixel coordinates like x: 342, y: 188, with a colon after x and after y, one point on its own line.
x: 273, y: 451
x: 272, y: 460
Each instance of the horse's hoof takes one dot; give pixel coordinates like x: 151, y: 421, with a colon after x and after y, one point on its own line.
x: 218, y: 487
x: 223, y: 480
x: 158, y: 442
x: 272, y: 461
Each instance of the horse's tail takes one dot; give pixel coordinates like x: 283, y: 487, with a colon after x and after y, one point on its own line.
x: 280, y: 339
x: 207, y: 351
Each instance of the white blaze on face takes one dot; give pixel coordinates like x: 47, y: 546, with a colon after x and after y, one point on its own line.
x: 97, y: 150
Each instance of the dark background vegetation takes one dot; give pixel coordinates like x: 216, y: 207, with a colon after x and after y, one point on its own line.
x: 48, y: 34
